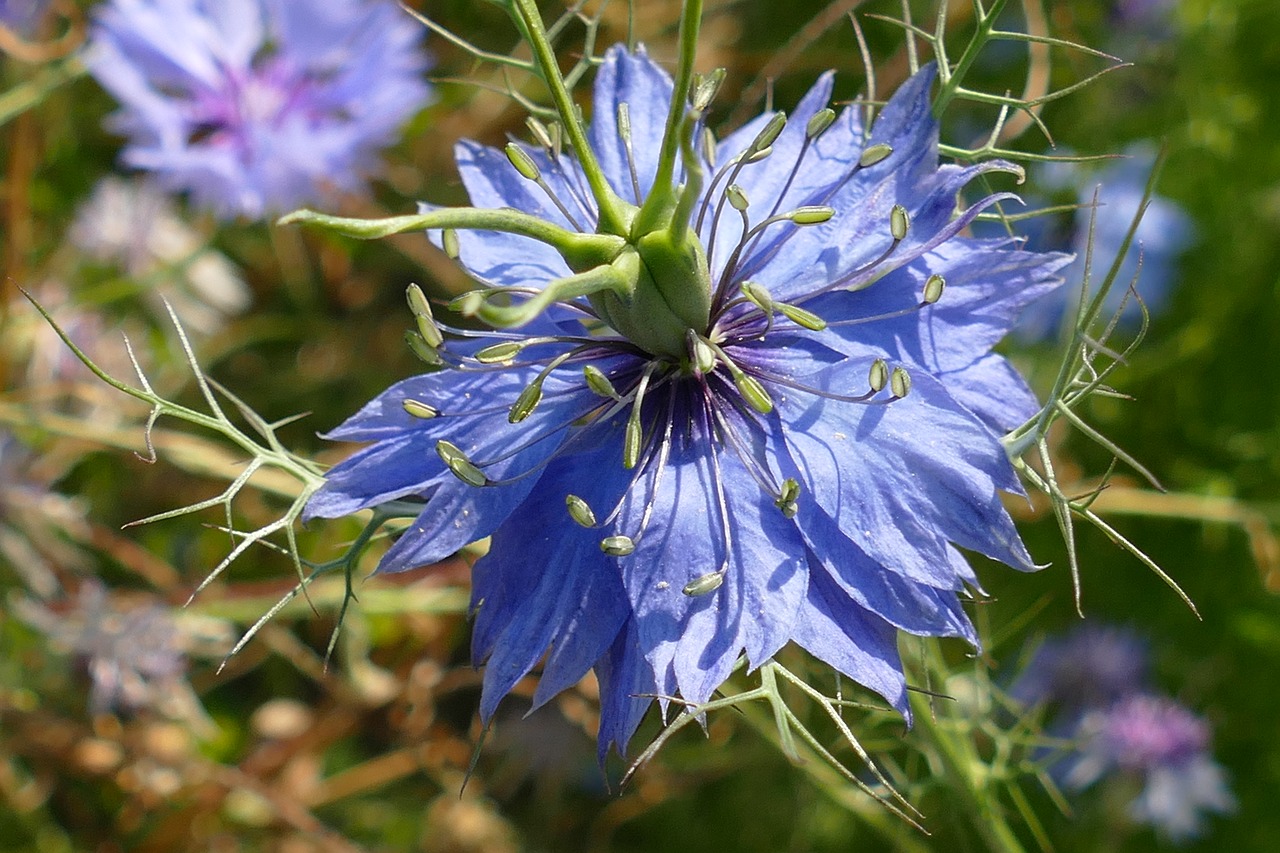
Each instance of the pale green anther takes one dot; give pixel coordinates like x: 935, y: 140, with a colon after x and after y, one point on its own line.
x: 900, y: 382
x: 705, y: 88
x: 933, y: 287
x: 873, y: 154
x: 450, y: 240
x: 525, y: 403
x: 786, y: 500
x: 599, y: 383
x: 899, y: 222
x: 539, y: 132
x: 580, y: 511
x: 704, y: 357
x: 459, y: 464
x: 419, y: 347
x: 757, y: 156
x: 419, y: 409
x: 468, y: 303
x: 754, y: 393
x: 737, y: 197
x: 771, y: 130
x: 523, y: 162
x: 758, y: 295
x: 703, y: 585
x: 819, y: 122
x: 801, y: 317
x: 878, y: 376
x: 631, y: 438
x: 417, y: 300
x: 811, y: 214
x: 617, y: 546
x: 709, y: 146
x: 624, y: 121
x: 498, y: 353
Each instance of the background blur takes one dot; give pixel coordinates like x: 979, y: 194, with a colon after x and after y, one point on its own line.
x: 119, y: 732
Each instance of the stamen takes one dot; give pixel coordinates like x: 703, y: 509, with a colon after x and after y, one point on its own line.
x: 624, y: 131
x: 460, y: 465
x: 878, y: 375
x: 526, y: 402
x: 701, y: 354
x: 705, y: 88
x: 500, y: 353
x: 634, y: 433
x: 419, y: 409
x: 933, y: 287
x: 617, y: 546
x: 873, y: 154
x: 899, y: 221
x: 599, y: 383
x: 706, y: 584
x: 423, y: 350
x: 787, y: 499
x: 528, y: 170
x: 580, y: 511
x: 819, y: 122
x: 900, y: 383
x: 449, y: 239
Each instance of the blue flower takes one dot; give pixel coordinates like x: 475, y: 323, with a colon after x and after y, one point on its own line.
x: 1092, y: 666
x: 1164, y: 745
x: 21, y: 16
x: 789, y: 443
x: 258, y: 105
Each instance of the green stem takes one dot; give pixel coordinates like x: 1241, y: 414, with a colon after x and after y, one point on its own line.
x: 966, y: 773
x: 660, y: 200
x: 578, y: 250
x: 612, y: 219
x: 952, y: 79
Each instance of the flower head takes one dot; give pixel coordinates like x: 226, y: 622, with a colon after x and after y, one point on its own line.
x: 1092, y: 666
x: 708, y: 426
x: 1167, y: 747
x: 258, y: 105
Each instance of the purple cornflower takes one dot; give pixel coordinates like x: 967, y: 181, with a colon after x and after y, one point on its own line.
x: 1164, y: 745
x: 134, y: 657
x: 750, y: 418
x: 255, y: 106
x: 1091, y: 666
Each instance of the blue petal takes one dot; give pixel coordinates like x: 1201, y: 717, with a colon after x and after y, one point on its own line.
x: 638, y: 82
x: 858, y: 643
x: 625, y: 676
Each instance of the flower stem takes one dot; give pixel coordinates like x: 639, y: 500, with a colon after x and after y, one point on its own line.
x: 612, y: 220
x: 662, y: 197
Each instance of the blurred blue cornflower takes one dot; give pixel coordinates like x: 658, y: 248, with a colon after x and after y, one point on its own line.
x: 779, y: 430
x: 1166, y: 747
x: 1164, y: 233
x: 1091, y: 666
x: 255, y: 106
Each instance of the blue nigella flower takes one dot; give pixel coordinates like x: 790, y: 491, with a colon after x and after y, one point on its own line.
x: 768, y: 426
x: 1164, y: 745
x: 1091, y: 666
x: 258, y: 105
